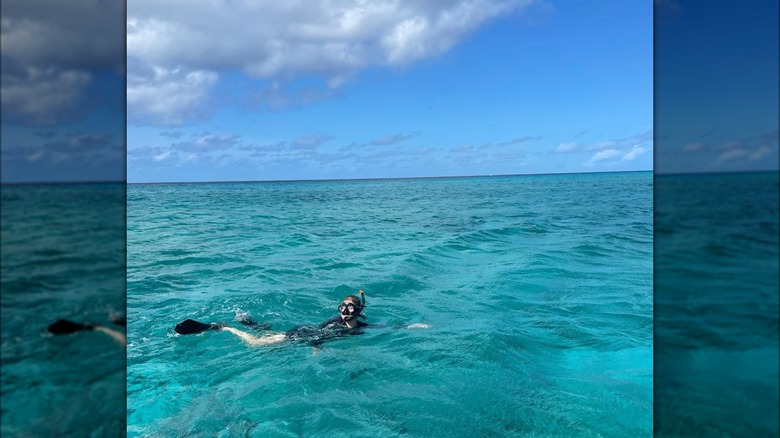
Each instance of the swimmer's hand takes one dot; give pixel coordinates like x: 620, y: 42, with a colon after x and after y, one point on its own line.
x: 418, y: 326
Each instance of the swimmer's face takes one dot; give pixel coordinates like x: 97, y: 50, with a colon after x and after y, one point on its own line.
x: 348, y: 308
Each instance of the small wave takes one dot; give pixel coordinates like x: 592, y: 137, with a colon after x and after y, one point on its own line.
x: 336, y: 266
x: 591, y: 250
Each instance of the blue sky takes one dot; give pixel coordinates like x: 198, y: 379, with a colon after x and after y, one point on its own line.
x: 241, y: 90
x: 63, y: 91
x: 388, y: 89
x: 716, y: 86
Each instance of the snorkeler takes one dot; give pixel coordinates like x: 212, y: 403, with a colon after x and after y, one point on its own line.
x: 63, y: 326
x: 348, y: 322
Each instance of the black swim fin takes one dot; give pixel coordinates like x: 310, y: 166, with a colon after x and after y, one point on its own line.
x: 191, y: 327
x: 63, y: 326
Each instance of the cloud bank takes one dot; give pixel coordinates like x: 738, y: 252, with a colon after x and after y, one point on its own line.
x: 51, y: 50
x: 762, y: 149
x: 180, y: 42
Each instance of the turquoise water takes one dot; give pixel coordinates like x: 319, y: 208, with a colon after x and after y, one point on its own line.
x: 716, y: 302
x: 63, y: 256
x: 538, y: 290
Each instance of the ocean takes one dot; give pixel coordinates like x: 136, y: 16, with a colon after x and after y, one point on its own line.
x: 716, y: 303
x: 62, y: 256
x: 538, y: 291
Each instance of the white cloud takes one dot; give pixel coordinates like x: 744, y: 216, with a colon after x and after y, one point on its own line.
x: 208, y: 143
x: 743, y: 150
x: 167, y: 97
x: 760, y: 153
x: 270, y: 38
x: 622, y: 149
x: 731, y: 155
x: 162, y: 156
x: 35, y: 156
x: 604, y: 155
x: 42, y: 96
x: 391, y: 139
x: 633, y: 153
x: 66, y: 33
x: 604, y: 145
x: 50, y: 50
x: 742, y: 153
x: 566, y: 147
x: 280, y: 41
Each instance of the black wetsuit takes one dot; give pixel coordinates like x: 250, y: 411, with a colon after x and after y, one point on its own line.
x: 337, y: 322
x: 316, y: 335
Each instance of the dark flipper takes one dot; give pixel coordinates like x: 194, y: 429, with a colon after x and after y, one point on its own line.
x: 191, y: 327
x: 120, y: 320
x: 63, y: 326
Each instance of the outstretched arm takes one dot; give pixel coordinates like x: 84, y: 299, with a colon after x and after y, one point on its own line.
x: 410, y: 326
x: 256, y: 341
x: 63, y: 326
x: 118, y: 336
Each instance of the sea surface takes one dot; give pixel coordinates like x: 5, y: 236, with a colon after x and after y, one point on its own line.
x: 538, y: 291
x: 63, y: 256
x: 717, y: 319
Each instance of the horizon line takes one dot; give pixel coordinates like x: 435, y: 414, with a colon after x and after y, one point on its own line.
x: 655, y: 173
x: 391, y: 178
x: 311, y: 179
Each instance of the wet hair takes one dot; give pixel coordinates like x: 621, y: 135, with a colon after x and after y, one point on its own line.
x: 353, y: 299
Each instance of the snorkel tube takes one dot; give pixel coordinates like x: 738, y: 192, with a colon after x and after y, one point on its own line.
x: 362, y: 300
x: 362, y: 304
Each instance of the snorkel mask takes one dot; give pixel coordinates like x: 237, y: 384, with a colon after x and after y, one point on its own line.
x: 353, y: 308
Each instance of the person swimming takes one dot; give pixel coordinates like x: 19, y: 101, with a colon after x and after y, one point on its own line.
x: 64, y: 326
x: 348, y: 322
